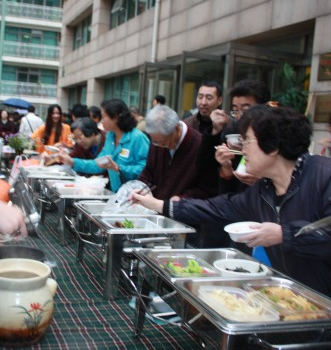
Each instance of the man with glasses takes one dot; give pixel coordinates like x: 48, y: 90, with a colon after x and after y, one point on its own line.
x: 171, y: 161
x: 244, y: 94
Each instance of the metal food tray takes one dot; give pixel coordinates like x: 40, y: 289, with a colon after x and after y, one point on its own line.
x: 151, y: 257
x: 146, y: 224
x: 184, y: 260
x: 323, y: 307
x: 189, y: 289
x: 92, y: 207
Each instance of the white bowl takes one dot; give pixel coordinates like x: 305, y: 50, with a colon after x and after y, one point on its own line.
x: 103, y: 160
x: 52, y: 149
x: 227, y: 267
x: 234, y: 140
x: 240, y: 229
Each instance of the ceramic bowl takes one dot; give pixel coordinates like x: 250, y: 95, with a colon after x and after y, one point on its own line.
x: 240, y: 268
x: 239, y: 229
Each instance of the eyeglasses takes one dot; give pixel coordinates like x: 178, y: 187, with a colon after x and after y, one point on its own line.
x: 246, y: 142
x: 236, y: 114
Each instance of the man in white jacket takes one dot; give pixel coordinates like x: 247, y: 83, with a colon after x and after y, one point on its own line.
x: 30, y: 122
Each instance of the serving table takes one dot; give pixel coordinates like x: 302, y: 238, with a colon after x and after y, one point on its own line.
x: 83, y: 318
x: 63, y: 197
x: 116, y: 243
x: 184, y: 295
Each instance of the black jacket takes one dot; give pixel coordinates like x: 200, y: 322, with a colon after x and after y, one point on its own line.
x: 306, y: 258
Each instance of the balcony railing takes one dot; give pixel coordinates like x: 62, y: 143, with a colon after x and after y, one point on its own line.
x: 19, y: 89
x: 46, y: 13
x: 43, y: 52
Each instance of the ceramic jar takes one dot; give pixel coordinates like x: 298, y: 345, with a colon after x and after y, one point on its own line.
x: 26, y: 295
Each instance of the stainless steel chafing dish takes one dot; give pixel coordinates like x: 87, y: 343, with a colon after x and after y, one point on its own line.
x: 213, y: 329
x: 98, y: 230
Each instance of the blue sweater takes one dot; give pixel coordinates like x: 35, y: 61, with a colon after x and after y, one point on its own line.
x: 130, y: 155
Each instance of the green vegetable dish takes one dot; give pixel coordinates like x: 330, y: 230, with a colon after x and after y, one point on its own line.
x: 191, y: 268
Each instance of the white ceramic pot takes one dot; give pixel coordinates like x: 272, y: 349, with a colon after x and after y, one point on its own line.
x: 26, y: 301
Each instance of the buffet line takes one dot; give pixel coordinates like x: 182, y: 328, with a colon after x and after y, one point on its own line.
x: 227, y: 298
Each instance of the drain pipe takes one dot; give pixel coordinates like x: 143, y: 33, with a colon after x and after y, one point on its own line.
x: 155, y: 30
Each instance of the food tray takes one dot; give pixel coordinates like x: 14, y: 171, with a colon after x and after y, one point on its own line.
x: 290, y: 300
x: 146, y: 224
x: 187, y: 262
x: 137, y: 223
x: 94, y: 207
x: 236, y: 304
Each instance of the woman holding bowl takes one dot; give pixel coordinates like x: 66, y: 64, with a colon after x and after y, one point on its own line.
x: 125, y: 151
x: 294, y: 190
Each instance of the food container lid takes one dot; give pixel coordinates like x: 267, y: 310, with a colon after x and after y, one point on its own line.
x: 236, y: 304
x: 292, y: 303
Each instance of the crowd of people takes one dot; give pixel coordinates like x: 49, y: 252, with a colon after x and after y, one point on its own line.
x: 193, y: 169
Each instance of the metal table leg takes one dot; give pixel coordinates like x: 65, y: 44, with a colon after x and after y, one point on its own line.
x: 61, y: 216
x: 113, y: 265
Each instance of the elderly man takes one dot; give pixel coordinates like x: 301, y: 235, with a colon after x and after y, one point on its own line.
x: 171, y: 161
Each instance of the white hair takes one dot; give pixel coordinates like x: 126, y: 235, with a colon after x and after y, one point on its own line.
x: 161, y: 120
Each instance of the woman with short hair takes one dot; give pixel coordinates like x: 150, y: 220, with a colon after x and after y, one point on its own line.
x: 294, y: 190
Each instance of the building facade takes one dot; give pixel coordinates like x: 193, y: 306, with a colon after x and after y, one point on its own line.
x: 135, y: 49
x: 29, y: 51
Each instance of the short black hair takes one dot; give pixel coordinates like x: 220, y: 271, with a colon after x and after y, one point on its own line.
x: 160, y: 99
x: 250, y: 87
x: 117, y: 109
x: 31, y: 109
x: 80, y: 111
x: 95, y: 112
x: 279, y: 128
x: 213, y: 84
x: 87, y: 126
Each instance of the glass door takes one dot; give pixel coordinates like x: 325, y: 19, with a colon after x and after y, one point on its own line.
x: 158, y: 79
x: 196, y: 69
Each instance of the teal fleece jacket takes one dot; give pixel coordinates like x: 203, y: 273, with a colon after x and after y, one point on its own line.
x: 130, y: 155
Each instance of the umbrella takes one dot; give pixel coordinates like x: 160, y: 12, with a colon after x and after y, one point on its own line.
x: 17, y: 103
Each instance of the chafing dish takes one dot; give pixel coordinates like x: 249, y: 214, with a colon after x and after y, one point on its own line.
x: 98, y: 230
x: 214, y: 330
x: 62, y: 197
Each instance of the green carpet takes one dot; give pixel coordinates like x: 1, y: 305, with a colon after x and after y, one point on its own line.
x: 83, y: 319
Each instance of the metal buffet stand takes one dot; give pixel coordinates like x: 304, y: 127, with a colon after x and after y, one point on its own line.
x: 116, y: 243
x: 214, y: 330
x: 64, y: 196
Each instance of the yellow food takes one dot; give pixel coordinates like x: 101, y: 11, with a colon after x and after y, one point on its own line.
x: 236, y: 304
x: 300, y: 308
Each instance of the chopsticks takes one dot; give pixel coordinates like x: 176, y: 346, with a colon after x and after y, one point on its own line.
x: 234, y: 151
x: 147, y: 186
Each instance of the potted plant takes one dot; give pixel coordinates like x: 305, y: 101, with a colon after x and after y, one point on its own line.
x: 19, y: 142
x: 292, y: 94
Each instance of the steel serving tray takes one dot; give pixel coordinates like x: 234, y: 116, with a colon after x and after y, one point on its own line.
x: 190, y: 290
x: 155, y: 258
x: 292, y: 301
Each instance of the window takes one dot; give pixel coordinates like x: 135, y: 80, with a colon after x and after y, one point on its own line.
x: 22, y: 35
x: 125, y: 87
x: 82, y: 33
x: 51, y: 3
x: 124, y: 10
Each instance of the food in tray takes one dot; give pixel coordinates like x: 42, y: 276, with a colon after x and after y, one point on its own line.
x: 241, y: 268
x: 191, y: 268
x: 236, y: 304
x: 296, y: 306
x: 124, y: 224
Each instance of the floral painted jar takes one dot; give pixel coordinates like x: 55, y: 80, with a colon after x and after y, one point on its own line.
x: 27, y: 306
